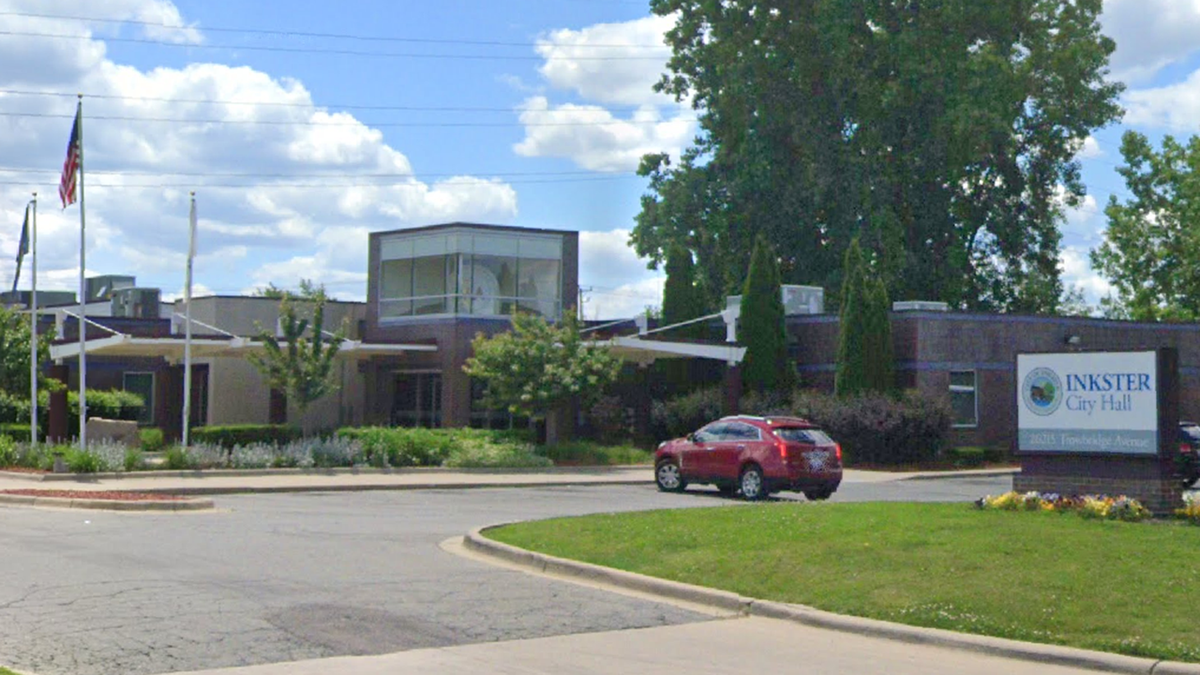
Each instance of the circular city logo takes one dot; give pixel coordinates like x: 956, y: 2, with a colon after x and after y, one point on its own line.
x: 1042, y: 391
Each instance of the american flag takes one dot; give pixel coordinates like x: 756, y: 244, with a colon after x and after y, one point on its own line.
x: 70, y: 172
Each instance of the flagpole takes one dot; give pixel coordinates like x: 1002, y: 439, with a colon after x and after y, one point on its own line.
x: 82, y: 291
x: 187, y: 317
x: 33, y: 332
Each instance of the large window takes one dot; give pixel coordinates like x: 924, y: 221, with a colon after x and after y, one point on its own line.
x: 470, y: 272
x: 963, y: 399
x: 143, y: 385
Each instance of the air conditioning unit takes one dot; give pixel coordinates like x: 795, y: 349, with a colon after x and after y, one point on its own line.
x: 136, y: 303
x: 796, y: 300
x: 103, y: 287
x: 920, y: 306
x: 803, y: 300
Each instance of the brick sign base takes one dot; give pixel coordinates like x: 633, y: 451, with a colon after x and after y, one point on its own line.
x: 1147, y: 480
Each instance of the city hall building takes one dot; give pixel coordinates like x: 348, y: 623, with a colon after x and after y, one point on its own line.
x: 431, y: 290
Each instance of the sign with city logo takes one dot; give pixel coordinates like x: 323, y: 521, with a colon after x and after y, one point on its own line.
x: 1091, y: 402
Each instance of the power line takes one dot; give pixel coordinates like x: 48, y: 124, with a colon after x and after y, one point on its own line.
x: 338, y: 52
x: 314, y: 175
x: 281, y: 104
x: 330, y: 36
x: 326, y: 184
x: 356, y: 123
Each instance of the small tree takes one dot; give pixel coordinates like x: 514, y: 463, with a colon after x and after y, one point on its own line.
x: 766, y: 366
x: 878, y: 352
x: 300, y: 361
x: 14, y: 353
x: 851, y: 377
x: 538, y: 367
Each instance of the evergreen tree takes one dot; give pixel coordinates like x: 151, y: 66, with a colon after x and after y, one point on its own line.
x: 879, y: 354
x: 766, y: 366
x: 851, y: 375
x: 682, y: 301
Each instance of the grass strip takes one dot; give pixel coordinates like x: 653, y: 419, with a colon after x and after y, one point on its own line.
x: 1129, y: 588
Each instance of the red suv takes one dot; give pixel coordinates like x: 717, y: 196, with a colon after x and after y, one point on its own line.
x: 752, y: 455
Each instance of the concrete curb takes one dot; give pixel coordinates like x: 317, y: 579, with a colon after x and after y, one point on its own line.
x: 725, y: 600
x: 109, y: 504
x: 966, y: 473
x: 177, y: 489
x: 339, y: 471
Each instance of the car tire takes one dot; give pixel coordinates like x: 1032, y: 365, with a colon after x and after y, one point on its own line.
x: 668, y: 477
x: 818, y: 495
x: 751, y: 483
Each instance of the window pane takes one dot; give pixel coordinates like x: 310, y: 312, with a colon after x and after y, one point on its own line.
x: 541, y: 247
x: 393, y: 308
x: 429, y: 275
x: 963, y: 404
x: 538, y: 286
x: 493, y: 284
x: 962, y: 378
x: 143, y: 385
x: 396, y: 279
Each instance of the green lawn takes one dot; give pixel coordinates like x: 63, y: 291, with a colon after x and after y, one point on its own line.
x: 6, y: 671
x: 1132, y: 588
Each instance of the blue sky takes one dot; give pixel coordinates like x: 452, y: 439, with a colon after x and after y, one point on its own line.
x: 526, y: 112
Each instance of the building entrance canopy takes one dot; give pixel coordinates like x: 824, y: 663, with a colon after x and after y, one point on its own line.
x: 172, y: 348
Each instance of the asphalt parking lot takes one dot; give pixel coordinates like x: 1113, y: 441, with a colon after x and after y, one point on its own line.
x: 271, y: 578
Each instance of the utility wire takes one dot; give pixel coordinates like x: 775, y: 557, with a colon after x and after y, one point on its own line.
x: 281, y: 104
x: 314, y: 174
x: 338, y: 52
x: 329, y: 36
x: 356, y: 123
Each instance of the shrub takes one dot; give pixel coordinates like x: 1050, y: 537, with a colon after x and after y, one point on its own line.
x: 252, y: 456
x: 684, y: 414
x: 135, y: 459
x: 483, y: 453
x: 83, y: 461
x: 197, y: 456
x: 8, y: 451
x: 877, y: 429
x: 152, y: 439
x: 337, y: 451
x: 967, y: 456
x: 228, y: 436
x: 15, y: 431
x: 587, y: 453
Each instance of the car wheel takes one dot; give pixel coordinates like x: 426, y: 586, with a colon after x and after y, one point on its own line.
x: 668, y: 477
x: 751, y: 483
x: 819, y: 494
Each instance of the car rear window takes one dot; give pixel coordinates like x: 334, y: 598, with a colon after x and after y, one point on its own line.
x: 803, y: 435
x: 1191, y: 432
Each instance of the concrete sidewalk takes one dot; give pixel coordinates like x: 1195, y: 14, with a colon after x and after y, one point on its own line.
x: 218, y: 481
x: 751, y: 645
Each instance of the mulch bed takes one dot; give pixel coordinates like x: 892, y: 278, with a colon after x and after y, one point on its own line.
x: 120, y: 495
x: 23, y: 469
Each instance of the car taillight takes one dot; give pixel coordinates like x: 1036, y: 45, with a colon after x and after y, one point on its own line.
x: 1185, y: 449
x: 838, y: 448
x: 783, y: 451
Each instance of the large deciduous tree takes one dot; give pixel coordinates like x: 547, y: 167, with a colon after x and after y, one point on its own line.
x: 1151, y: 249
x: 942, y: 131
x: 766, y: 367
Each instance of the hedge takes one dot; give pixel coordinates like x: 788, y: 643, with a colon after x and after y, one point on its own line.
x: 872, y: 428
x: 230, y: 435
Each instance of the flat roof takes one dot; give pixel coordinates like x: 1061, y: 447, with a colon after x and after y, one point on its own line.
x: 475, y: 226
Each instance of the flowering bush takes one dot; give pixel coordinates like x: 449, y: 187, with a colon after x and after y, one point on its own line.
x: 1191, y: 508
x: 1088, y: 506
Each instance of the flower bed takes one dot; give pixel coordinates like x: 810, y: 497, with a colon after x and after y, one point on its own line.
x: 121, y: 495
x: 1088, y: 506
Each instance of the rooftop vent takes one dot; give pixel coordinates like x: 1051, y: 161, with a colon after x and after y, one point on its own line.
x: 920, y: 306
x: 796, y: 300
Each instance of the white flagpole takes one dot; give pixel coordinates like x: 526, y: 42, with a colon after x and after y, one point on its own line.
x: 33, y: 332
x: 82, y: 294
x: 187, y: 331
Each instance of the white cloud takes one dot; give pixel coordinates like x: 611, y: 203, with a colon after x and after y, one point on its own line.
x: 611, y: 63
x: 625, y: 301
x: 621, y: 284
x: 1077, y: 272
x: 290, y: 189
x: 595, y: 139
x: 1172, y: 107
x: 1150, y: 35
x: 1090, y: 149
